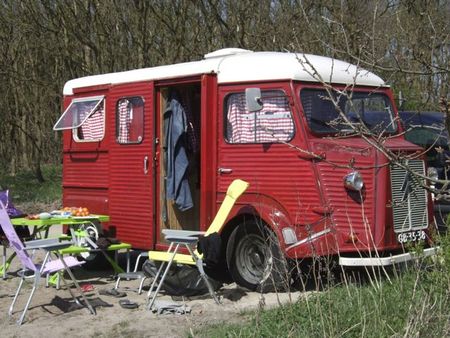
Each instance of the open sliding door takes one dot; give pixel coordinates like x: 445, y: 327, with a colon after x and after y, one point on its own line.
x: 184, y: 154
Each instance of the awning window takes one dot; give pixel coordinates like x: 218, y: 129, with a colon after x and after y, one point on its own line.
x: 78, y: 112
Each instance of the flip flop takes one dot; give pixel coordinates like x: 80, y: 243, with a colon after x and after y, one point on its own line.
x: 112, y: 292
x: 128, y: 304
x: 87, y: 287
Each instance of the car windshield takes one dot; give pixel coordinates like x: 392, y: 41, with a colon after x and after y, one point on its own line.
x: 371, y: 110
x: 425, y: 128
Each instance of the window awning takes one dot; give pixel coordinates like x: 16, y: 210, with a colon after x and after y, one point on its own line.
x: 78, y: 112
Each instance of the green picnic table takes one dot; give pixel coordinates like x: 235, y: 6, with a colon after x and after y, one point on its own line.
x: 80, y: 238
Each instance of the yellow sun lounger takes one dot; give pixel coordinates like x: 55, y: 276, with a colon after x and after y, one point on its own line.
x: 234, y: 191
x: 189, y: 240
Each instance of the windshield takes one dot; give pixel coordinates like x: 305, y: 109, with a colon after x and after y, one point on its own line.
x: 371, y: 110
x: 425, y: 128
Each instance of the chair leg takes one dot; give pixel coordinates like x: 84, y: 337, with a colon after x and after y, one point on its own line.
x: 58, y: 279
x: 70, y: 291
x: 116, y: 286
x: 141, y: 255
x: 35, y: 284
x: 152, y: 301
x: 11, y: 307
x: 141, y: 285
x: 157, y: 275
x: 199, y: 264
x: 128, y: 260
x: 91, y: 309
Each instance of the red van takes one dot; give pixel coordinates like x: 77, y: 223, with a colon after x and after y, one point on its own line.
x: 318, y: 140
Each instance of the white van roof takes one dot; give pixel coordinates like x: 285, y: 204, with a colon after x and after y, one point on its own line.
x: 239, y: 65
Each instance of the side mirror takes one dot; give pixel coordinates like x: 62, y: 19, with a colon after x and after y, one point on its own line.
x: 253, y: 99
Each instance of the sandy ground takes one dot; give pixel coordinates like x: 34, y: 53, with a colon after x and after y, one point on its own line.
x: 52, y: 312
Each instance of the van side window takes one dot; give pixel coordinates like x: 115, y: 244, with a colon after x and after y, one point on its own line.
x: 130, y: 120
x: 272, y: 124
x: 93, y: 128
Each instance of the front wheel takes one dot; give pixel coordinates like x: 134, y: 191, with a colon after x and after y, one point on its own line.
x: 255, y: 260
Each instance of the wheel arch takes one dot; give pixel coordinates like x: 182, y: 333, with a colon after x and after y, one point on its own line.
x: 266, y: 210
x: 249, y: 263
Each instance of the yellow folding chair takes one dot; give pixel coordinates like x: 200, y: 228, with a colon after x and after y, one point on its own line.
x: 189, y: 239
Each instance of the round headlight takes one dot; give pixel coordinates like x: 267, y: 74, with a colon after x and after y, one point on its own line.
x: 432, y: 173
x: 354, y: 181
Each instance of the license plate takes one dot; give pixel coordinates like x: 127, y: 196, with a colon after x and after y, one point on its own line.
x: 411, y: 236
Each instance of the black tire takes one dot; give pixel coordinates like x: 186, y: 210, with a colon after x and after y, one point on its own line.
x: 255, y: 260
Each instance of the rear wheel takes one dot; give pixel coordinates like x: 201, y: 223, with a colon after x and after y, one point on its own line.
x: 255, y: 260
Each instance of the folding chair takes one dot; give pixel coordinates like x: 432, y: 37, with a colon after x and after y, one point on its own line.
x: 189, y: 239
x: 47, y: 267
x: 134, y: 275
x: 6, y: 199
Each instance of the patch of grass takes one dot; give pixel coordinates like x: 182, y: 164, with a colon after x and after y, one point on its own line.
x: 24, y: 187
x: 415, y: 303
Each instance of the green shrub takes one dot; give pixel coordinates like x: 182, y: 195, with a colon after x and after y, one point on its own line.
x: 24, y: 187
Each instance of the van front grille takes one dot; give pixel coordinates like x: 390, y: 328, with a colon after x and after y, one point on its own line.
x: 409, y: 198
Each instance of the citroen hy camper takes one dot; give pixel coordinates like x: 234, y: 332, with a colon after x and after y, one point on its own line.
x: 315, y: 137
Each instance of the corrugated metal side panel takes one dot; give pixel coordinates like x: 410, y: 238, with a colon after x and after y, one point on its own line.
x: 85, y: 180
x: 131, y: 191
x: 86, y: 169
x: 349, y: 213
x: 94, y: 199
x: 130, y: 206
x: 276, y: 171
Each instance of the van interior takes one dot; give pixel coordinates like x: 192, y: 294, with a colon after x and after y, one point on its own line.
x: 179, y: 104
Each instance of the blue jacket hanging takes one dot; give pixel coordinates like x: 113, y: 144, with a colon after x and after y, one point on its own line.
x: 177, y: 163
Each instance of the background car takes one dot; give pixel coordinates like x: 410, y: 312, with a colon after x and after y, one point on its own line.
x: 427, y: 129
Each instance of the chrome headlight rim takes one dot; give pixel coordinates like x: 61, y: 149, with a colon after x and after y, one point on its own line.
x: 432, y: 173
x: 353, y: 181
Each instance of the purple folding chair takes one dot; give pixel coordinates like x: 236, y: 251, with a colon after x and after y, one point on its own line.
x: 12, y: 211
x: 48, y: 266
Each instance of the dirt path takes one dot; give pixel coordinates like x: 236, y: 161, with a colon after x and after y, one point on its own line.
x: 52, y: 314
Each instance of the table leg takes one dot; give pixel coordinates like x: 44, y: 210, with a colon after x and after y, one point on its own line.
x: 116, y: 267
x: 3, y: 267
x: 6, y: 263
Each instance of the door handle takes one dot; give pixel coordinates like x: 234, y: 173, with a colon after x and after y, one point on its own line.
x: 145, y: 165
x: 225, y: 170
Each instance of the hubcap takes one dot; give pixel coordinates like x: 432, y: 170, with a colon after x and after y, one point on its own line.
x: 252, y: 258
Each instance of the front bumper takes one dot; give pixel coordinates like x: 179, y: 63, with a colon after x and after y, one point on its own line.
x: 386, y: 261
